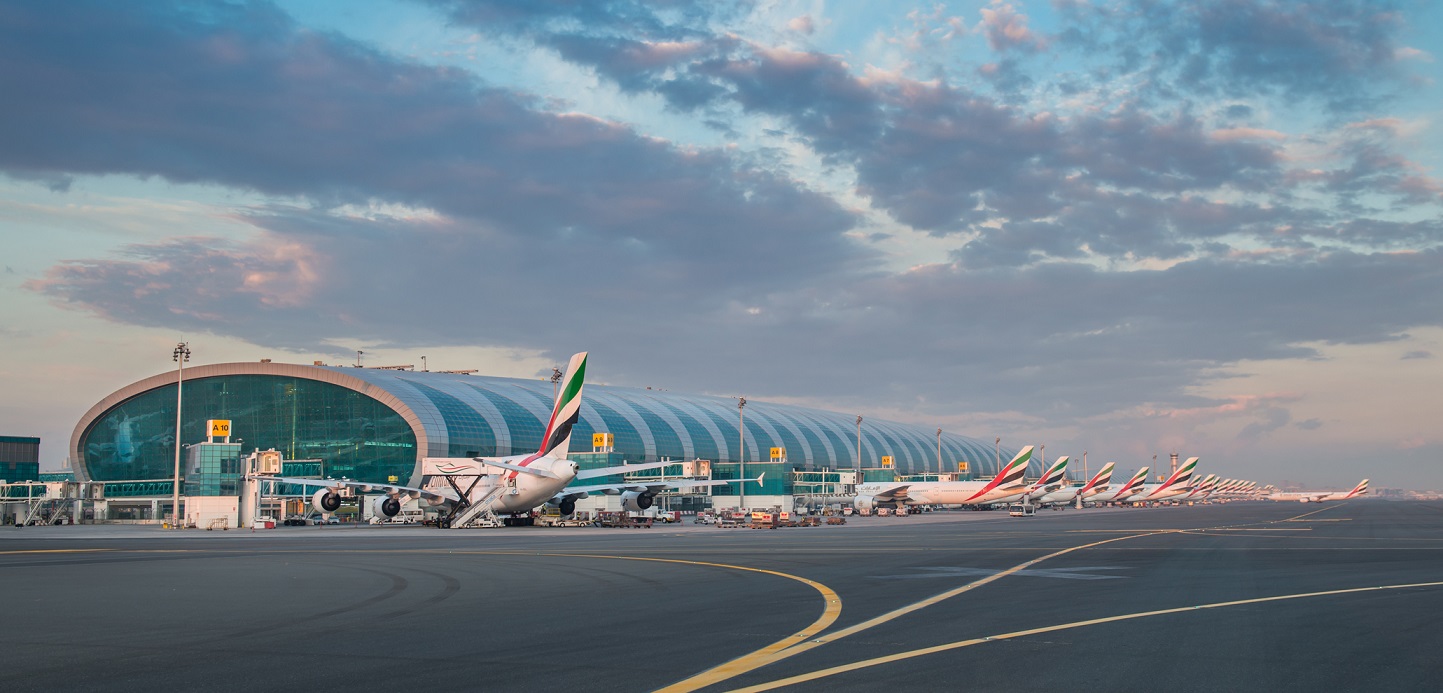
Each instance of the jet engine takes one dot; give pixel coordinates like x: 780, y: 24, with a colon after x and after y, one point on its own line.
x: 1303, y: 500
x: 636, y: 501
x: 325, y: 501
x: 565, y: 506
x: 864, y: 503
x: 386, y: 506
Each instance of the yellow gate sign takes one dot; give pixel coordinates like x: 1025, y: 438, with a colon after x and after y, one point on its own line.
x: 779, y: 454
x: 886, y: 461
x: 219, y: 428
x: 602, y: 440
x: 962, y: 466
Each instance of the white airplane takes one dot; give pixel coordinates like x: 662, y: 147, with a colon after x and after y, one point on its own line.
x: 1122, y: 492
x: 1171, y: 488
x: 1051, y: 480
x: 1321, y: 496
x: 513, y: 485
x: 1007, y: 482
x: 1068, y: 494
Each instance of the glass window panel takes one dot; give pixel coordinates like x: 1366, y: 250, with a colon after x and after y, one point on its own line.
x: 304, y: 419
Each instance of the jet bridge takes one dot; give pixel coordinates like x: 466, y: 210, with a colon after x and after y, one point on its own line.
x: 49, y: 502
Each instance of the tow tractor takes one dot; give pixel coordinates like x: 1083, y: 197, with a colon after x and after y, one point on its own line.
x: 1022, y: 510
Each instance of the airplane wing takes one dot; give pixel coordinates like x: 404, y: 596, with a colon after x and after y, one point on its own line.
x: 623, y: 469
x: 656, y: 486
x: 894, y: 493
x: 364, y: 487
x: 487, y: 462
x: 517, y: 468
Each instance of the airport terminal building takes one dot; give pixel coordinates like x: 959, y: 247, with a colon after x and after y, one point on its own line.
x: 372, y: 424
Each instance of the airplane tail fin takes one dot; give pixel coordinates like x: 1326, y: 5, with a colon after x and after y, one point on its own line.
x: 1014, y: 470
x: 1054, y: 473
x: 1360, y: 489
x: 1136, y: 481
x: 557, y: 440
x: 1010, y: 473
x: 1182, y: 476
x: 1208, y: 483
x: 1102, y: 478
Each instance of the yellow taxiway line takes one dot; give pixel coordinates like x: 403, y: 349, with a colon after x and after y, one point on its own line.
x: 9, y: 553
x: 772, y: 654
x: 833, y: 671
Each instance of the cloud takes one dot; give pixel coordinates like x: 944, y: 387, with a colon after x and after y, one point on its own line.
x: 1310, y: 424
x: 1344, y: 55
x: 803, y: 24
x: 1420, y: 354
x: 1108, y: 254
x: 669, y: 20
x: 241, y: 97
x: 1117, y: 177
x: 1065, y: 341
x: 1006, y: 29
x: 1273, y: 419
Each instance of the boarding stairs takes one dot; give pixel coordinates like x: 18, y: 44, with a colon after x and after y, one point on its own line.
x: 479, y: 513
x: 48, y: 511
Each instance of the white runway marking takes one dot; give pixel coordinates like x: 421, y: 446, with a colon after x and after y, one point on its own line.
x: 1078, y: 573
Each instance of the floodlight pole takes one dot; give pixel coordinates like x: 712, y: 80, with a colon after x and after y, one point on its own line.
x: 998, y: 443
x: 742, y: 442
x: 859, y: 448
x: 939, y: 453
x: 180, y: 355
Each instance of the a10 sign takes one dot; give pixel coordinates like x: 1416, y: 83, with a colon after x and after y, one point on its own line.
x: 219, y: 428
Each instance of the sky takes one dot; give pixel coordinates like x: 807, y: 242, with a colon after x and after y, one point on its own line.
x: 1128, y: 227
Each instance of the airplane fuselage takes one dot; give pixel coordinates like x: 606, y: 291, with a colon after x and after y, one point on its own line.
x: 502, y: 490
x: 1152, y: 493
x: 941, y: 493
x: 1062, y: 496
x: 1309, y: 496
x: 1117, y: 495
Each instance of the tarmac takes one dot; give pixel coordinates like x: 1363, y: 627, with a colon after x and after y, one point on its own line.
x: 1242, y: 596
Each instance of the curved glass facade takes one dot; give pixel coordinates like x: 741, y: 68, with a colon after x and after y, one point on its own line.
x: 353, y: 435
x: 469, y: 414
x: 337, y: 415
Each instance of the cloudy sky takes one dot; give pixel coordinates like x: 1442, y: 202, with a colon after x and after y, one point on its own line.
x: 1123, y: 226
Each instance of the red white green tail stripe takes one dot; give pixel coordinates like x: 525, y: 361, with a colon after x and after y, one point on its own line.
x: 1179, y: 478
x: 1099, y: 479
x: 1008, y: 475
x: 1132, y: 484
x: 1053, y: 475
x: 568, y: 408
